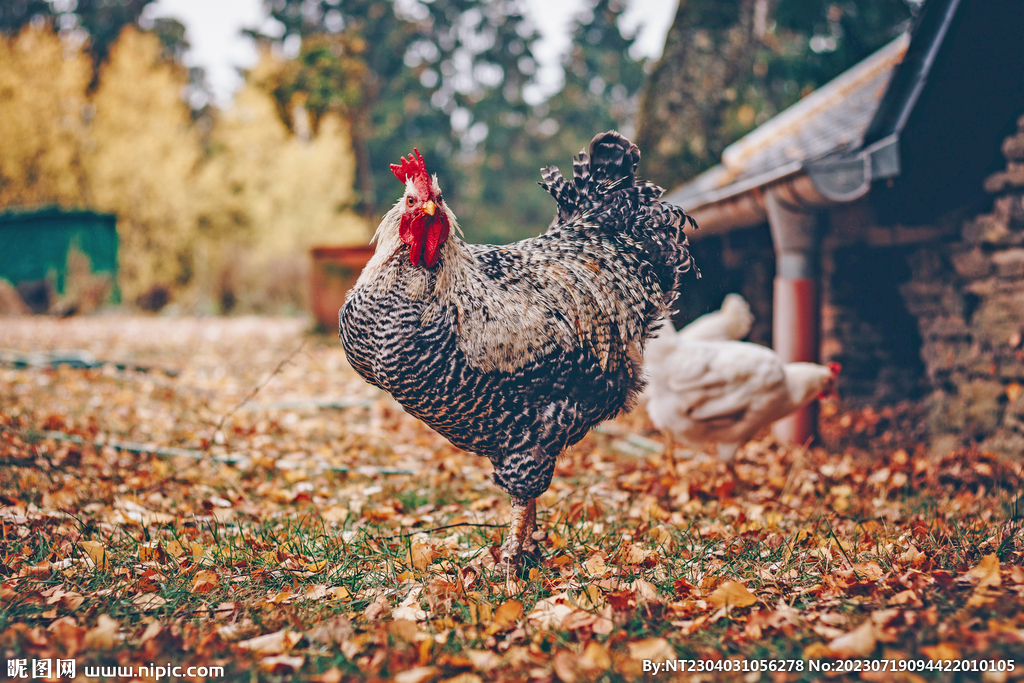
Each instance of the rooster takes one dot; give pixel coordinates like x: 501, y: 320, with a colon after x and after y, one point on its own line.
x: 724, y: 392
x: 514, y: 352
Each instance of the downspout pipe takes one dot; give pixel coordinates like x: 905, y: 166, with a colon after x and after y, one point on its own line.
x: 793, y: 207
x: 795, y: 327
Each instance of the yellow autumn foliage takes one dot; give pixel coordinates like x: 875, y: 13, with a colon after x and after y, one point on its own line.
x: 143, y: 161
x: 188, y: 208
x: 42, y: 105
x: 289, y: 192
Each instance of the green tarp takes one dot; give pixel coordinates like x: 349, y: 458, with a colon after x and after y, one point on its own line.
x: 34, y: 245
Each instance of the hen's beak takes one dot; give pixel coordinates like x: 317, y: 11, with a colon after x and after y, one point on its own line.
x: 428, y: 208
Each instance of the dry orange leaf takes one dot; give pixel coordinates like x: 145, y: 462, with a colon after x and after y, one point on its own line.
x: 417, y: 674
x: 282, y: 664
x: 645, y: 590
x: 483, y: 660
x: 941, y: 651
x: 987, y: 572
x: 859, y: 642
x: 204, y: 581
x: 97, y: 553
x: 272, y: 643
x: 152, y: 552
x: 555, y: 540
x: 565, y: 666
x: 71, y: 636
x: 148, y: 601
x: 869, y: 571
x: 653, y: 649
x: 634, y: 554
x: 549, y: 612
x: 732, y: 594
x: 101, y: 636
x: 595, y: 565
x: 507, y: 614
x: 907, y: 597
x: 422, y: 555
x: 332, y: 675
x: 595, y: 657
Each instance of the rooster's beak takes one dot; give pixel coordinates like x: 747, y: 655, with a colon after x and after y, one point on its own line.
x: 428, y: 208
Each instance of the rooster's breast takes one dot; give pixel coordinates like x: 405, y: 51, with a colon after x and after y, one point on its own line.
x: 548, y: 403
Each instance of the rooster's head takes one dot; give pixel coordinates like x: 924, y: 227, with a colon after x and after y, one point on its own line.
x: 424, y: 222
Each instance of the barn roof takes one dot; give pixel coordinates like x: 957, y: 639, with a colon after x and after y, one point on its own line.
x: 831, y: 119
x: 927, y: 113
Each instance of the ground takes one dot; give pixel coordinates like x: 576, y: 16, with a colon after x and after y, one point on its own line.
x: 227, y: 492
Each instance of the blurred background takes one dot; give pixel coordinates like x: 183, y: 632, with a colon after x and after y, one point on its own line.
x: 190, y: 154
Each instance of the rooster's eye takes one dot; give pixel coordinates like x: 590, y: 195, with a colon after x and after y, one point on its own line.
x: 410, y: 201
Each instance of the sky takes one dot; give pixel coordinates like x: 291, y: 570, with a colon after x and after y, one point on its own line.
x: 213, y: 29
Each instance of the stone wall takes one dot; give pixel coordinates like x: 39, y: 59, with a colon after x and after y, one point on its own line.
x: 866, y: 325
x: 968, y: 297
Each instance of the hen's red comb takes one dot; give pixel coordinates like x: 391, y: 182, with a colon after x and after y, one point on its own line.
x: 835, y: 368
x: 413, y: 167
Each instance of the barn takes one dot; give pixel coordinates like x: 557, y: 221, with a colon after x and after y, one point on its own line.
x: 879, y: 223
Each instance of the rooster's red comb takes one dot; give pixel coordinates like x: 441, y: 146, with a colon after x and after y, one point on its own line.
x: 835, y: 367
x: 413, y: 167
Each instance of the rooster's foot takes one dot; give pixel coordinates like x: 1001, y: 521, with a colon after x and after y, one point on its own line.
x: 522, y: 532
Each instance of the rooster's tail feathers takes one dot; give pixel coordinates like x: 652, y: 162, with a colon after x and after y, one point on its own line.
x: 604, y: 187
x: 566, y: 195
x: 613, y: 160
x: 609, y: 168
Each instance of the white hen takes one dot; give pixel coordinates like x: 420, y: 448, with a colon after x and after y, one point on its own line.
x: 731, y: 321
x: 724, y: 392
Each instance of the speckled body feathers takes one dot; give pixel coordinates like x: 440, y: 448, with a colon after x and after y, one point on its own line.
x: 514, y: 352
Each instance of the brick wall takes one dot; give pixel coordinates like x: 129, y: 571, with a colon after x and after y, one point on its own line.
x: 968, y: 298
x: 866, y: 324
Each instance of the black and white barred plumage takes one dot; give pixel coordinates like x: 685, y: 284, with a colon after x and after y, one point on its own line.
x: 514, y: 352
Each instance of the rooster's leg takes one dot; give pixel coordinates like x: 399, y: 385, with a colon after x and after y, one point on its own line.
x: 520, y: 530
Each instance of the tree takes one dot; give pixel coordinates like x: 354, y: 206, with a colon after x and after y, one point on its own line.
x: 602, y: 80
x: 101, y: 20
x: 278, y: 192
x: 43, y: 120
x: 445, y: 76
x: 142, y: 162
x: 599, y: 93
x: 729, y: 66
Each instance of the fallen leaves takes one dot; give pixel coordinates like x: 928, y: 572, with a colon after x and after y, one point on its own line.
x: 102, y: 636
x: 860, y: 642
x: 410, y: 607
x: 205, y: 581
x: 732, y: 594
x: 422, y: 555
x: 987, y: 572
x: 97, y: 553
x: 291, y: 550
x: 272, y: 643
x: 651, y: 649
x: 507, y: 615
x: 549, y: 612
